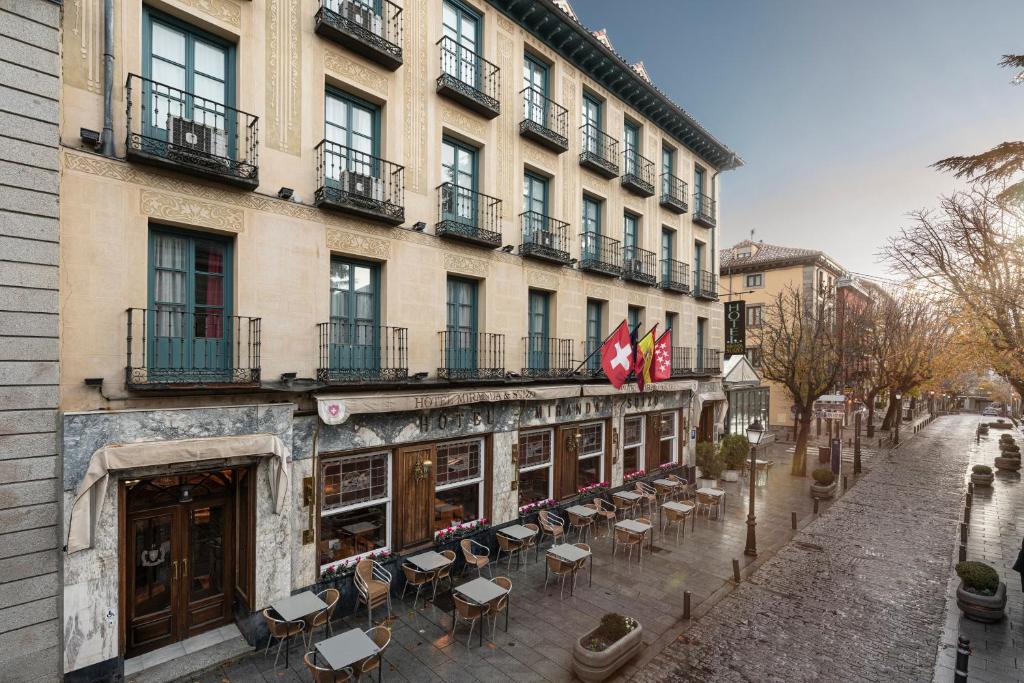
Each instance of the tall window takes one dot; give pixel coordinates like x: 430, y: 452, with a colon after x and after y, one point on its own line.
x: 355, y: 309
x: 702, y: 324
x: 536, y: 450
x: 591, y: 247
x: 590, y: 458
x: 535, y: 208
x: 668, y: 248
x: 459, y: 167
x: 190, y: 296
x: 754, y: 316
x: 355, y: 505
x: 460, y: 349
x: 753, y: 354
x: 459, y: 56
x: 632, y: 444
x: 351, y: 125
x: 631, y: 142
x: 591, y: 125
x: 698, y: 188
x: 671, y: 320
x: 537, y: 353
x: 634, y: 317
x: 594, y: 336
x: 535, y: 84
x: 698, y: 261
x: 668, y: 432
x: 668, y: 164
x: 630, y: 228
x: 459, y: 483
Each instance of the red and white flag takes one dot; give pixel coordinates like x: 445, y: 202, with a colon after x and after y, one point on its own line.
x: 617, y: 355
x: 662, y: 368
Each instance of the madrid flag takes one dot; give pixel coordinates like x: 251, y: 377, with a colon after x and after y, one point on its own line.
x: 645, y: 358
x: 662, y: 369
x: 617, y: 355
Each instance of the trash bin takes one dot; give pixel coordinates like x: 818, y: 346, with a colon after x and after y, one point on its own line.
x: 824, y: 455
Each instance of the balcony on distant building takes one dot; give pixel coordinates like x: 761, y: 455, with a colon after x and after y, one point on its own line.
x: 471, y: 355
x: 547, y: 357
x: 600, y: 254
x: 544, y: 238
x: 637, y: 173
x: 639, y: 265
x: 673, y: 193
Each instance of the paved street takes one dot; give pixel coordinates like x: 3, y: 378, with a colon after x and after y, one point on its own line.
x: 859, y: 595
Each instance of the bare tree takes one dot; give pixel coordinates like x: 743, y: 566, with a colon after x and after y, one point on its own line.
x: 800, y: 350
x: 918, y: 335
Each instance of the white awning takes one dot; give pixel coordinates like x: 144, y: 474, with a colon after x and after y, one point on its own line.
x: 93, y: 489
x: 631, y: 388
x: 738, y: 371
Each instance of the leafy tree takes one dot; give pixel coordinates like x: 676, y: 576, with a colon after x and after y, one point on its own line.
x: 735, y: 450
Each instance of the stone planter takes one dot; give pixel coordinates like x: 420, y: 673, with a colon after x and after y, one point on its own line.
x: 1008, y: 463
x: 987, y: 609
x: 823, y: 492
x: 597, y: 666
x: 731, y: 475
x: 982, y: 479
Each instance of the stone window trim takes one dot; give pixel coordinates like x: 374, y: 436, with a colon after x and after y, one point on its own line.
x: 755, y: 280
x: 673, y: 422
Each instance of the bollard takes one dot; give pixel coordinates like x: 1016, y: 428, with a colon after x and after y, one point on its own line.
x: 815, y: 506
x: 844, y: 482
x: 970, y: 499
x: 963, y: 651
x: 686, y: 604
x: 736, y: 570
x: 970, y: 488
x: 962, y: 557
x: 963, y: 532
x: 793, y: 520
x: 967, y: 515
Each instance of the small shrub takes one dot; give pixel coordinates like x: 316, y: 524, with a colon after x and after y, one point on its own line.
x: 735, y: 451
x: 981, y: 469
x: 613, y: 628
x: 709, y: 460
x: 823, y: 476
x: 978, y: 577
x: 1009, y: 447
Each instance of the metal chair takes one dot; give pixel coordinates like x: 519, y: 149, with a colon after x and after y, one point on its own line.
x: 444, y: 572
x: 531, y: 542
x: 560, y: 568
x: 324, y: 616
x: 473, y: 558
x: 282, y: 630
x: 510, y: 546
x: 579, y: 564
x: 551, y: 525
x: 607, y: 511
x: 648, y: 495
x: 705, y: 502
x: 684, y: 491
x: 625, y: 506
x: 467, y: 612
x: 373, y: 587
x: 498, y: 606
x: 418, y: 578
x: 580, y: 524
x: 322, y: 674
x: 678, y: 518
x: 381, y: 637
x: 628, y: 539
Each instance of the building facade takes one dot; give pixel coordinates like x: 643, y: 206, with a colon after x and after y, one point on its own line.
x: 339, y: 286
x: 30, y: 579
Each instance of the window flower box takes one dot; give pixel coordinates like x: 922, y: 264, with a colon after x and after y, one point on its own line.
x: 635, y: 474
x: 459, y: 531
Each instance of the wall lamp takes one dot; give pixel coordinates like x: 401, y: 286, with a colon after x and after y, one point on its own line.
x: 507, y: 248
x: 285, y: 193
x: 90, y: 137
x: 420, y: 375
x: 421, y: 470
x: 419, y: 226
x: 287, y: 376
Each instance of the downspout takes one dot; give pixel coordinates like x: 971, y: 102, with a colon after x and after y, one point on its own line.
x: 714, y: 251
x: 108, y: 78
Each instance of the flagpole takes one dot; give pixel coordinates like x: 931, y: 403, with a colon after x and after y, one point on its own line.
x: 599, y: 347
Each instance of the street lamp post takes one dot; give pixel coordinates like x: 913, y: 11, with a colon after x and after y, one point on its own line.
x: 754, y: 433
x: 899, y: 417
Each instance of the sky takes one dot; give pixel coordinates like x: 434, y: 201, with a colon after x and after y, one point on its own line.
x: 837, y: 107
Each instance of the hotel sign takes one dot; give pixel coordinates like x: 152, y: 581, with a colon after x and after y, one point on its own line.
x: 735, y: 328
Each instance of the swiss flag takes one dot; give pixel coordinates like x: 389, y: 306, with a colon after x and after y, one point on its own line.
x: 662, y: 368
x: 617, y: 355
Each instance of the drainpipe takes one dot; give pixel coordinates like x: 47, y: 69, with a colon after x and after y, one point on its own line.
x: 108, y: 78
x: 714, y: 251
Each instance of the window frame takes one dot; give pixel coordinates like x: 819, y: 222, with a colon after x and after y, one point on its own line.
x: 674, y: 438
x: 758, y: 280
x: 387, y: 501
x: 641, y: 446
x: 598, y: 207
x: 600, y: 453
x: 549, y: 465
x: 750, y: 322
x: 351, y: 101
x: 478, y: 481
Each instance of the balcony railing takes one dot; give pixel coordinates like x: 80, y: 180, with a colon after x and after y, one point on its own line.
x: 468, y: 78
x: 547, y: 357
x: 592, y: 366
x: 469, y: 216
x: 359, y: 184
x: 175, y: 348
x: 703, y: 209
x: 356, y: 352
x: 544, y: 120
x: 471, y: 355
x: 544, y: 238
x: 600, y: 254
x: 682, y: 361
x: 637, y: 173
x: 599, y: 152
x: 675, y: 275
x: 639, y: 265
x: 709, y: 361
x: 673, y: 193
x: 180, y: 130
x: 372, y: 30
x: 705, y: 285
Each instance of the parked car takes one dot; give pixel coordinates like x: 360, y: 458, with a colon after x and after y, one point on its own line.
x: 990, y: 411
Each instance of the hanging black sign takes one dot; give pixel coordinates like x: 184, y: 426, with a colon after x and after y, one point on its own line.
x: 735, y: 328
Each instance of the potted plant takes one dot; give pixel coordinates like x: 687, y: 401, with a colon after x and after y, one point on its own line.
x: 1008, y: 446
x: 601, y: 652
x: 824, y: 485
x: 710, y: 464
x: 981, y: 475
x: 983, y: 428
x: 735, y: 450
x: 981, y: 596
x: 1008, y: 462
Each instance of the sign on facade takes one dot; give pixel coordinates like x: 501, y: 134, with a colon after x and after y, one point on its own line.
x: 735, y: 328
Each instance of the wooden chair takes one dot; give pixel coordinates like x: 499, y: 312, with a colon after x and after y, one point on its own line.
x: 418, y: 578
x: 531, y: 542
x: 551, y: 525
x: 381, y: 637
x: 322, y: 674
x: 474, y: 558
x: 444, y: 572
x: 678, y: 518
x: 281, y: 630
x: 498, y: 606
x: 509, y: 546
x: 324, y: 616
x: 626, y: 539
x: 606, y: 511
x: 467, y: 612
x: 560, y: 568
x: 373, y: 587
x: 648, y: 496
x: 580, y: 524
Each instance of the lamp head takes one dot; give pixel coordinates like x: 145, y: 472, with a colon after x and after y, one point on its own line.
x: 754, y: 432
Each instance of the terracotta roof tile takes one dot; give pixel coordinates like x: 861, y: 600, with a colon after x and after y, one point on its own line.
x: 762, y: 253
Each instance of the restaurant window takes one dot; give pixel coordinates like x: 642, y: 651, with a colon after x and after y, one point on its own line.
x: 591, y: 454
x: 633, y: 444
x: 755, y: 280
x: 355, y: 504
x: 535, y: 459
x: 459, y: 483
x: 754, y: 315
x: 668, y: 433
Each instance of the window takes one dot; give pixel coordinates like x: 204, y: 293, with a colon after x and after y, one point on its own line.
x: 591, y: 125
x: 591, y: 216
x: 355, y: 309
x: 698, y: 261
x: 632, y: 444
x: 671, y: 320
x: 352, y: 126
x: 190, y: 295
x: 668, y: 247
x: 629, y: 235
x: 755, y: 280
x: 590, y: 460
x: 745, y: 406
x: 459, y: 483
x: 192, y: 76
x: 535, y: 84
x: 594, y: 333
x: 698, y: 190
x: 538, y: 325
x: 460, y: 347
x: 668, y: 164
x: 355, y: 505
x: 668, y: 429
x: 754, y: 316
x: 634, y: 317
x: 462, y: 26
x: 535, y: 209
x: 754, y: 355
x: 631, y: 143
x: 536, y: 450
x: 702, y: 324
x: 459, y: 167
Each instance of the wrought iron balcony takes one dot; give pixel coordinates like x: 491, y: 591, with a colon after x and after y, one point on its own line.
x: 544, y: 238
x: 471, y: 355
x: 675, y: 276
x: 356, y: 352
x: 709, y: 362
x: 469, y: 216
x: 705, y: 285
x: 639, y: 265
x: 599, y: 151
x: 682, y: 361
x: 372, y: 30
x: 592, y: 366
x: 171, y: 348
x: 547, y: 357
x: 544, y: 120
x: 468, y: 78
x: 637, y: 173
x: 600, y: 254
x: 703, y: 210
x: 673, y: 193
x: 180, y: 130
x: 359, y: 184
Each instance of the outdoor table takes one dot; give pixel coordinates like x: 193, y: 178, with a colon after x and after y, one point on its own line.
x: 630, y: 497
x: 294, y: 608
x: 637, y: 528
x: 518, y: 532
x: 346, y: 649
x: 428, y: 561
x: 678, y: 507
x: 717, y: 493
x: 570, y: 553
x: 481, y: 591
x: 582, y: 511
x: 665, y: 486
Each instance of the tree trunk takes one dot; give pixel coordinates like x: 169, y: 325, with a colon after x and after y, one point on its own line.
x: 871, y: 413
x: 890, y: 413
x: 799, y: 467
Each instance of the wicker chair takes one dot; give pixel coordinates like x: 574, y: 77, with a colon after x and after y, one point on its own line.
x: 579, y: 563
x: 500, y: 605
x: 444, y: 572
x: 324, y: 616
x: 474, y: 558
x: 531, y: 542
x: 678, y: 518
x: 509, y: 546
x: 627, y: 539
x: 625, y: 506
x: 467, y: 612
x: 648, y: 496
x: 560, y: 568
x: 373, y: 587
x: 580, y: 524
x: 282, y: 631
x: 707, y: 502
x: 551, y: 525
x: 418, y: 578
x: 684, y: 491
x: 322, y: 674
x: 606, y: 511
x: 381, y: 637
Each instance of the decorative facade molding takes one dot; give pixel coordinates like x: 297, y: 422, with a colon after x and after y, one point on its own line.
x: 357, y: 244
x: 83, y: 45
x: 284, y: 76
x: 545, y: 279
x: 226, y: 11
x: 597, y: 291
x: 539, y: 156
x: 345, y: 66
x: 506, y: 124
x: 466, y: 265
x: 469, y: 124
x: 190, y: 211
x: 416, y: 43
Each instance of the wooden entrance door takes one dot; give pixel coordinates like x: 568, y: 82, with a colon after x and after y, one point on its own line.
x: 415, y: 495
x: 707, y: 421
x: 567, y: 465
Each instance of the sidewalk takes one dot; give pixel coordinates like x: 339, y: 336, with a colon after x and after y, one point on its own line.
x: 994, y: 537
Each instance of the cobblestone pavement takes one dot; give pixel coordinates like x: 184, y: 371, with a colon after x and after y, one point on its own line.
x: 994, y: 536
x: 858, y: 595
